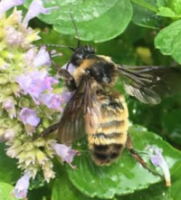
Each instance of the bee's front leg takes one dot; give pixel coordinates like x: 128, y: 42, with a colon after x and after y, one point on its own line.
x: 68, y: 79
x: 137, y: 157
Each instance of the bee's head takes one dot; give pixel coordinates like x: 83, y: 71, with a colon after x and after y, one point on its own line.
x: 81, y: 53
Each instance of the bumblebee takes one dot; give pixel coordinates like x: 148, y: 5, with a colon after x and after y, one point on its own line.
x: 101, y: 112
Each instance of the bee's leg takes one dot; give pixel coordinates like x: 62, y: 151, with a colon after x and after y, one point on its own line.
x: 137, y: 157
x: 47, y: 131
x: 67, y: 78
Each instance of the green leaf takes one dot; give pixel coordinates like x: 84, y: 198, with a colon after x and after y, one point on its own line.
x: 124, y: 176
x: 175, y: 6
x: 145, y: 17
x: 98, y: 20
x: 171, y: 122
x: 8, y: 172
x: 5, y: 191
x: 161, y: 3
x: 168, y: 40
x: 146, y: 4
x: 166, y: 12
x: 64, y: 189
x: 175, y: 189
x: 154, y: 192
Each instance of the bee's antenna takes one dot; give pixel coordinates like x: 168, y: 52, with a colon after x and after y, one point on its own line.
x: 57, y: 45
x: 76, y: 30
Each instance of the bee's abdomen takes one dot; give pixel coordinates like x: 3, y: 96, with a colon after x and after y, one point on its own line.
x: 107, y: 149
x: 108, y: 141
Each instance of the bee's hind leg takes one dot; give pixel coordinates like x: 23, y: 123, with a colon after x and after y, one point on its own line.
x: 137, y: 157
x: 47, y: 131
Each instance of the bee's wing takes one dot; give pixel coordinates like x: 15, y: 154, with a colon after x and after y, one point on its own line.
x: 81, y: 114
x: 151, y: 84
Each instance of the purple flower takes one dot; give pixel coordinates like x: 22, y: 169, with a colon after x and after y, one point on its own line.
x: 29, y: 116
x: 9, y: 134
x: 35, y: 9
x: 54, y: 101
x: 35, y: 83
x: 158, y: 160
x: 64, y: 152
x: 21, y: 188
x: 8, y: 105
x: 42, y: 58
x: 7, y: 4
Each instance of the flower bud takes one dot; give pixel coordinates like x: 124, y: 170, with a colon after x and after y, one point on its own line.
x: 46, y: 123
x: 15, y: 88
x: 48, y: 174
x: 14, y: 151
x: 5, y: 89
x: 28, y: 146
x: 40, y: 142
x: 24, y: 102
x: 41, y: 157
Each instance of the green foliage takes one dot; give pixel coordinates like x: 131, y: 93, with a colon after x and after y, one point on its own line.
x: 8, y: 173
x: 156, y: 192
x: 5, y: 191
x: 94, y: 16
x: 153, y: 25
x: 124, y: 176
x: 168, y: 40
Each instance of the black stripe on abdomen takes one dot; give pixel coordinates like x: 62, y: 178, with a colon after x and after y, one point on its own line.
x: 107, y: 136
x: 106, y: 154
x: 113, y: 123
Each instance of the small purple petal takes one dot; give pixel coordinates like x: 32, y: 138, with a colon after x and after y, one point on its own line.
x: 7, y: 4
x: 64, y: 152
x: 35, y: 9
x: 9, y: 134
x: 29, y: 116
x: 21, y: 188
x: 29, y: 56
x: 49, y: 81
x: 158, y: 160
x: 35, y: 83
x: 8, y: 104
x: 54, y: 101
x: 24, y: 82
x: 70, y: 67
x: 42, y: 58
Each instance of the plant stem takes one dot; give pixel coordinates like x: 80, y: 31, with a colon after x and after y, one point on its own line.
x: 145, y: 5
